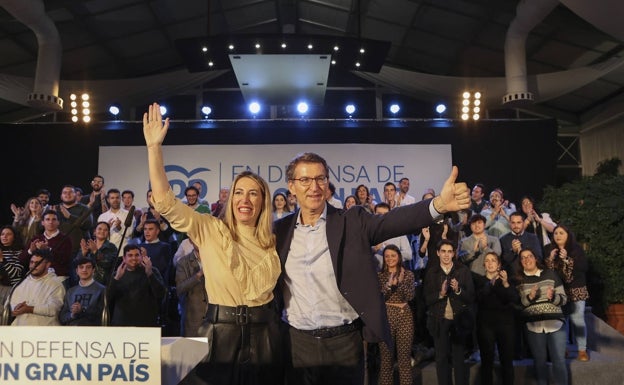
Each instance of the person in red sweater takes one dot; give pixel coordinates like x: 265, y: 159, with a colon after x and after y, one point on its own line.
x: 58, y: 243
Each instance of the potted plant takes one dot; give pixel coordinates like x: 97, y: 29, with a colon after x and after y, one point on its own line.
x: 593, y: 207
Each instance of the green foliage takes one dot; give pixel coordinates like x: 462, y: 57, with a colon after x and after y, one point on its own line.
x: 608, y: 167
x: 593, y: 207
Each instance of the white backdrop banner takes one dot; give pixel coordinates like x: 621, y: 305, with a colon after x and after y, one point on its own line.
x: 214, y: 166
x: 79, y: 355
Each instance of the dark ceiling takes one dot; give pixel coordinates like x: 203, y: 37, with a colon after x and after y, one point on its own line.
x: 122, y: 39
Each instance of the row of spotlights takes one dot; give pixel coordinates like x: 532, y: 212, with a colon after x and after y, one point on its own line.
x: 254, y: 108
x: 115, y: 110
x: 283, y: 45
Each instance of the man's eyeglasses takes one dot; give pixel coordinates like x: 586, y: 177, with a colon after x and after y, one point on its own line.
x: 305, y: 181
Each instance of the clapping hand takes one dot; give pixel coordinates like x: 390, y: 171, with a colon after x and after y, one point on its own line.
x: 146, y: 262
x: 121, y: 270
x: 444, y: 288
x: 455, y: 285
x: 76, y: 308
x: 550, y: 293
x: 534, y: 292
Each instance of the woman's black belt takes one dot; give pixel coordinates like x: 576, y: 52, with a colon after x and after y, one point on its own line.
x: 334, y: 331
x: 240, y: 315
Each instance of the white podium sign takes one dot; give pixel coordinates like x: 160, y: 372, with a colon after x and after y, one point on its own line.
x: 97, y: 355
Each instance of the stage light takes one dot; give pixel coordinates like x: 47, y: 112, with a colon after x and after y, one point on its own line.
x: 336, y: 48
x: 350, y: 109
x: 210, y: 63
x: 395, y: 108
x: 114, y: 110
x: 163, y: 110
x: 302, y: 107
x: 333, y: 62
x: 440, y: 108
x: 206, y: 111
x: 283, y: 45
x: 231, y: 47
x: 80, y: 108
x: 357, y: 64
x: 204, y: 49
x: 257, y: 46
x: 471, y: 101
x: 254, y: 107
x: 310, y: 46
x: 362, y: 50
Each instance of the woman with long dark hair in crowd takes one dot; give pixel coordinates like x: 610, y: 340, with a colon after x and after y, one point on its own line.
x: 397, y: 286
x: 495, y: 319
x: 364, y: 199
x: 542, y: 295
x: 568, y: 259
x: 100, y: 250
x: 537, y: 223
x: 349, y: 202
x: 280, y: 206
x: 11, y: 268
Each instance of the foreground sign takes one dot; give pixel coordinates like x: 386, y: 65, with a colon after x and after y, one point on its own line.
x: 98, y: 355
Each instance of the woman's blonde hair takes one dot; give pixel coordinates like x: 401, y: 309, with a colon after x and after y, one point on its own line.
x: 264, y: 225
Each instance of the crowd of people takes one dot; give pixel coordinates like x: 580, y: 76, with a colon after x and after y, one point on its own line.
x: 282, y: 285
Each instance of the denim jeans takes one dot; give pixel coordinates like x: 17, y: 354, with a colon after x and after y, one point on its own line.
x: 577, y: 322
x: 542, y: 344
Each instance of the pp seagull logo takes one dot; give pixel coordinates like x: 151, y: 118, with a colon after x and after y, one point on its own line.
x: 180, y: 178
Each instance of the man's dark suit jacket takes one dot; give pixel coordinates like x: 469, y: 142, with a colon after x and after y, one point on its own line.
x: 510, y: 259
x: 350, y: 234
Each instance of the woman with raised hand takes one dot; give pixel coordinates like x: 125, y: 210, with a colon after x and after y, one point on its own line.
x: 241, y: 268
x: 537, y: 223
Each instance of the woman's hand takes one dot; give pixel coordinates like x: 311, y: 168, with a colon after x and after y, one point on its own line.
x: 502, y: 274
x: 154, y: 130
x: 533, y: 292
x: 92, y: 246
